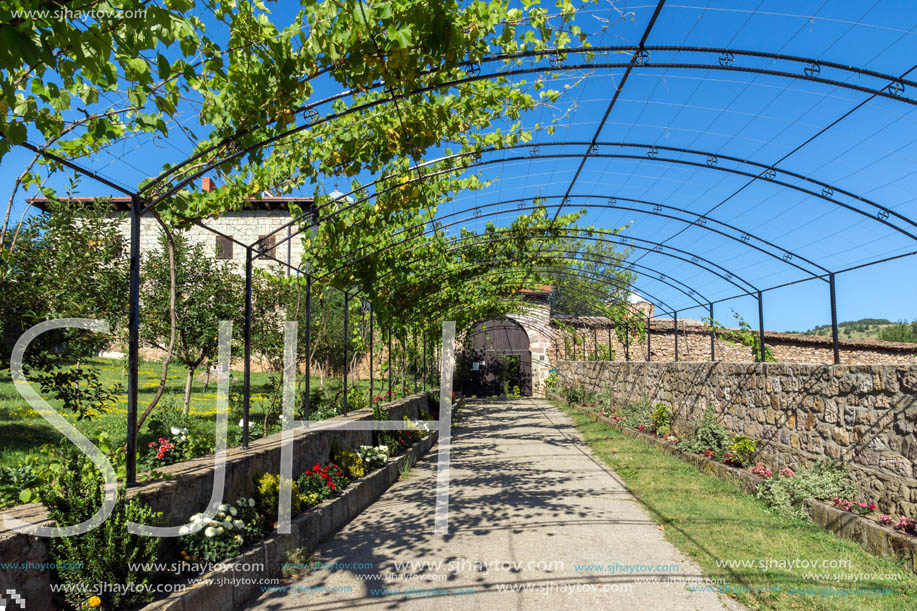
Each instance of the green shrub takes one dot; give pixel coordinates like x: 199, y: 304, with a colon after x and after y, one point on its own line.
x: 741, y: 450
x: 373, y: 457
x: 574, y: 395
x: 660, y: 419
x: 18, y: 484
x: 785, y: 494
x: 267, y: 497
x: 349, y: 460
x: 550, y: 382
x: 105, y: 554
x: 320, y: 483
x: 223, y: 535
x: 635, y: 413
x: 708, y: 435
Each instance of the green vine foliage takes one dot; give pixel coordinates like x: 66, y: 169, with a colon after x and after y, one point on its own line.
x: 106, y: 554
x: 745, y: 336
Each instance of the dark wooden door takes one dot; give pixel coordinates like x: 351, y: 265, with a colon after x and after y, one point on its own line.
x: 496, y: 358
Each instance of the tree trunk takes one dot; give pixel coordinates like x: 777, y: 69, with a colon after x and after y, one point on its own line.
x: 188, y: 380
x: 207, y: 378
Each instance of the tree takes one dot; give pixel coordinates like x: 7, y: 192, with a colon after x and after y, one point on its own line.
x: 67, y: 263
x: 207, y: 291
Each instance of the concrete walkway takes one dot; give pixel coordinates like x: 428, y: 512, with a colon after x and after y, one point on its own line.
x: 530, y: 503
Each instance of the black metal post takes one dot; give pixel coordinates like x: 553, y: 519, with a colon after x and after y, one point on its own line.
x: 834, y: 341
x: 649, y: 347
x: 371, y: 331
x: 346, y: 343
x: 712, y: 336
x: 133, y: 344
x: 627, y: 341
x: 308, y: 345
x: 414, y: 356
x: 247, y: 355
x: 676, y: 336
x: 389, y: 364
x: 404, y: 366
x: 609, y: 342
x: 761, y: 326
x: 595, y: 344
x: 423, y: 341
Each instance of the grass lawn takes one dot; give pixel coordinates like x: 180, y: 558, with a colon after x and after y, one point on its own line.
x: 713, y: 521
x: 22, y: 430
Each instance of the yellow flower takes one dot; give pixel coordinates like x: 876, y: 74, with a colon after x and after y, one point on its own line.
x: 94, y: 601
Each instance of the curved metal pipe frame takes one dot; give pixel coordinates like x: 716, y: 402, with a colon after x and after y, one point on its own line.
x: 810, y: 73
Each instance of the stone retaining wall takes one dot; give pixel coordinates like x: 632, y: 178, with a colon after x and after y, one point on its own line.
x: 189, y: 491
x: 865, y: 416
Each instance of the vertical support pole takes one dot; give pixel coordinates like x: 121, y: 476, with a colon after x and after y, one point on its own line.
x: 133, y: 343
x: 346, y: 343
x: 609, y: 342
x: 763, y: 348
x: 372, y: 331
x: 404, y: 366
x: 712, y: 336
x: 556, y: 352
x: 649, y: 345
x: 423, y: 341
x: 308, y: 345
x: 595, y: 344
x: 627, y: 341
x: 676, y: 336
x: 247, y: 356
x: 389, y: 364
x: 837, y: 348
x: 414, y: 355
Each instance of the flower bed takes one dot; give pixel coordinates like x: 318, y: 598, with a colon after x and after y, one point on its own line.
x: 879, y: 538
x: 211, y: 590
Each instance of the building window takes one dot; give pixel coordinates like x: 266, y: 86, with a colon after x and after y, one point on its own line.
x: 223, y: 248
x: 265, y: 245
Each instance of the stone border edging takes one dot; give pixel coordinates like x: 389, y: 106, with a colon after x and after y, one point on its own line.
x: 878, y: 540
x: 307, y: 531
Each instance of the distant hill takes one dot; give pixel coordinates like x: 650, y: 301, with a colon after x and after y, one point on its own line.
x: 870, y: 328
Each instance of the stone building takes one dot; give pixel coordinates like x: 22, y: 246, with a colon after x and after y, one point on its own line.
x: 255, y: 220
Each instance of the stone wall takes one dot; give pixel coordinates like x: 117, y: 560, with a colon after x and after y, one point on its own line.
x: 864, y: 416
x: 189, y: 491
x: 694, y: 345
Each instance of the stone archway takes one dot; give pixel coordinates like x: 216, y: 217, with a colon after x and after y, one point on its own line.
x: 497, y: 359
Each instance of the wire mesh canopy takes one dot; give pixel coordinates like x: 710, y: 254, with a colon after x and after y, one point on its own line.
x: 723, y: 151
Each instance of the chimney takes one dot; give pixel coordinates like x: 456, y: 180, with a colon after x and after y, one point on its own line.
x: 207, y: 184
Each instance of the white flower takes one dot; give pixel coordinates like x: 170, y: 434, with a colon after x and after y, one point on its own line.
x: 212, y: 523
x: 251, y: 502
x: 233, y: 511
x: 220, y: 530
x: 210, y: 532
x: 238, y: 539
x: 227, y: 524
x: 238, y: 523
x: 175, y: 430
x: 184, y: 530
x: 196, y: 517
x: 223, y: 507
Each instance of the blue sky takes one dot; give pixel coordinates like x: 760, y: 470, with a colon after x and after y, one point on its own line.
x: 870, y: 154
